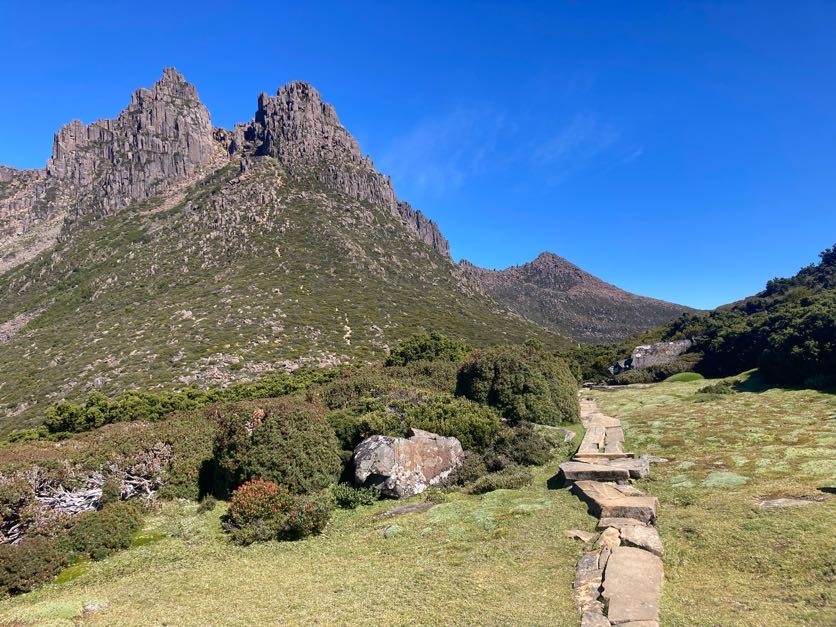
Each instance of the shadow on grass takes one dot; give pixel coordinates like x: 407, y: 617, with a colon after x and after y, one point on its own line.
x: 756, y: 383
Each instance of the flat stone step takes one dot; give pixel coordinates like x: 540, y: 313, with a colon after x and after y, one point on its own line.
x: 642, y: 537
x: 618, y: 523
x: 607, y: 501
x: 632, y: 585
x: 578, y: 471
x: 639, y: 468
x: 600, y: 420
x: 596, y: 457
x: 593, y: 440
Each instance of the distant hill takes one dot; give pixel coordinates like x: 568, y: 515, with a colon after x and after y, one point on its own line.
x: 560, y: 296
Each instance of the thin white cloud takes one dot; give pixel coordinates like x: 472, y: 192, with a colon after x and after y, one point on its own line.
x: 441, y: 153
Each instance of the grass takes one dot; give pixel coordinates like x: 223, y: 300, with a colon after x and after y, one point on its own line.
x: 729, y: 562
x: 495, y: 559
x: 684, y: 377
x: 501, y: 558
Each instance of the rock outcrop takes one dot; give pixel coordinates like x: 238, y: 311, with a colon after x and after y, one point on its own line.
x: 648, y: 355
x: 163, y: 136
x: 402, y: 467
x: 305, y: 135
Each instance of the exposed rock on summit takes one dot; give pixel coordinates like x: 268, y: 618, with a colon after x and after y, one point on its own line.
x: 305, y: 135
x: 164, y: 135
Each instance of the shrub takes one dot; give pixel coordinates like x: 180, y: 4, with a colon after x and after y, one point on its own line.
x: 347, y: 496
x: 207, y: 504
x: 353, y: 385
x: 684, y: 377
x: 285, y: 440
x: 721, y: 387
x: 98, y: 534
x: 474, y: 425
x: 262, y: 510
x: 631, y: 377
x: 428, y: 346
x: 98, y: 410
x: 521, y: 445
x: 432, y: 375
x: 31, y: 562
x: 471, y: 469
x: 523, y: 383
x: 509, y: 478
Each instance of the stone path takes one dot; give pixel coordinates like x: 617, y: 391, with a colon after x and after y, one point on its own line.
x: 618, y: 581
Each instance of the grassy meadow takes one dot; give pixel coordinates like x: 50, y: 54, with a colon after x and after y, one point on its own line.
x: 501, y: 558
x: 728, y: 561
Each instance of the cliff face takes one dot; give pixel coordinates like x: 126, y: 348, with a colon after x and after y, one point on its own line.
x: 305, y: 135
x: 163, y: 136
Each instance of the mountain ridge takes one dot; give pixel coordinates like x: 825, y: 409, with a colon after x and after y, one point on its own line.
x: 156, y: 250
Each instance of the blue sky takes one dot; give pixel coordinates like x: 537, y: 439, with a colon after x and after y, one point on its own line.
x: 682, y: 150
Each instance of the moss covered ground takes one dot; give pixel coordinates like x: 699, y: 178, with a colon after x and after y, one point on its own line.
x: 729, y: 561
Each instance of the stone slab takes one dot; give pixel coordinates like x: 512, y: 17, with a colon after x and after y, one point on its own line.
x: 632, y: 585
x: 642, y: 537
x: 597, y: 419
x: 575, y: 471
x: 609, y: 501
x: 594, y: 619
x: 618, y: 523
x: 586, y: 591
x: 578, y: 534
x: 615, y: 434
x: 638, y: 468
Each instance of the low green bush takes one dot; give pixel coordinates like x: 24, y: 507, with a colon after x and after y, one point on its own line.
x: 472, y: 469
x: 31, y: 562
x: 522, y: 445
x: 98, y: 410
x: 347, y: 496
x: 473, y: 424
x: 721, y: 387
x: 97, y: 534
x: 428, y: 347
x: 522, y: 382
x: 262, y: 510
x: 439, y: 376
x: 684, y: 377
x: 509, y: 478
x: 284, y: 440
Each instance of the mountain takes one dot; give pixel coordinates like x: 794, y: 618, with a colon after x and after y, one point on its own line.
x: 560, y: 296
x: 155, y: 250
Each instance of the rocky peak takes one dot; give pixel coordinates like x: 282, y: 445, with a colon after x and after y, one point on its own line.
x: 164, y: 135
x: 305, y: 135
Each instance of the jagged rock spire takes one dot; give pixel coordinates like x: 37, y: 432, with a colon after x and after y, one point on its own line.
x: 164, y: 135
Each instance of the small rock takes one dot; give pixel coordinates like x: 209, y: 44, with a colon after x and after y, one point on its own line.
x: 412, y: 508
x: 609, y: 538
x: 652, y: 459
x: 594, y: 619
x: 642, y: 537
x: 577, y: 534
x: 391, y: 531
x: 784, y: 502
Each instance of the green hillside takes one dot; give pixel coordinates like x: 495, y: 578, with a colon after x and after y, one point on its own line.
x: 250, y: 272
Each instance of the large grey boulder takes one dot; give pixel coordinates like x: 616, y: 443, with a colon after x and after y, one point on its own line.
x: 402, y: 467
